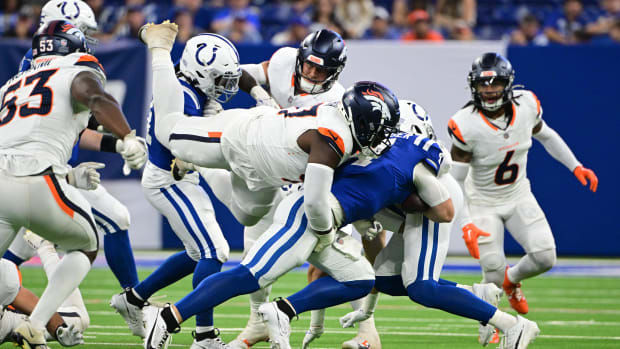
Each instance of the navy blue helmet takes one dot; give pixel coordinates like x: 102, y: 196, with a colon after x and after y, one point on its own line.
x: 486, y: 69
x: 326, y: 50
x: 58, y: 38
x: 373, y: 113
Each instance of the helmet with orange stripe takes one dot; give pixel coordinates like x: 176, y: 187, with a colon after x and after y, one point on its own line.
x: 58, y: 38
x: 324, y: 53
x: 492, y: 73
x: 372, y: 112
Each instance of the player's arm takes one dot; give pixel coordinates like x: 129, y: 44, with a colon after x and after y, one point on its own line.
x: 433, y: 193
x: 258, y: 72
x: 559, y: 150
x: 252, y: 77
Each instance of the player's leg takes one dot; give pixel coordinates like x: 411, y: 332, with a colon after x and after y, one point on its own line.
x: 529, y: 226
x: 249, y: 206
x: 492, y: 258
x: 112, y: 218
x: 19, y: 251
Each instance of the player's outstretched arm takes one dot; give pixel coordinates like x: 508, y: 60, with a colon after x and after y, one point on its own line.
x: 251, y: 84
x: 434, y: 194
x: 559, y: 150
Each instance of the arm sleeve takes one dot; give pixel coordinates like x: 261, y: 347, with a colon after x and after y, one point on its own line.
x: 556, y: 147
x: 431, y: 191
x: 257, y: 71
x: 317, y: 186
x: 459, y: 171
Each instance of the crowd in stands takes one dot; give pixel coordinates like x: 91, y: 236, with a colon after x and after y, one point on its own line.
x: 283, y: 22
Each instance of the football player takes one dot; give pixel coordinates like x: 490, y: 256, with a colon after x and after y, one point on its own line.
x: 111, y: 216
x: 411, y: 263
x: 43, y: 111
x: 292, y: 238
x: 492, y: 135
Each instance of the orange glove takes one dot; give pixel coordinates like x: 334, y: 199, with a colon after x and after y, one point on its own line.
x: 584, y: 175
x: 470, y: 234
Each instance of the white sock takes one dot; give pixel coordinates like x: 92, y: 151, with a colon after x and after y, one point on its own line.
x: 49, y: 258
x: 67, y: 277
x: 168, y: 100
x: 466, y: 287
x: 257, y: 298
x: 503, y: 321
x: 317, y: 318
x: 203, y: 329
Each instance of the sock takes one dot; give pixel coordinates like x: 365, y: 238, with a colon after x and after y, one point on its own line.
x: 68, y: 275
x: 286, y: 308
x: 13, y: 258
x: 259, y: 297
x: 392, y: 285
x: 172, y: 323
x: 317, y: 318
x: 217, y: 289
x: 205, y: 333
x: 119, y: 256
x: 532, y: 264
x: 503, y: 321
x: 357, y: 303
x: 168, y: 100
x: 49, y: 258
x: 176, y: 267
x: 326, y: 292
x: 451, y: 299
x: 134, y: 298
x: 204, y: 268
x: 447, y: 282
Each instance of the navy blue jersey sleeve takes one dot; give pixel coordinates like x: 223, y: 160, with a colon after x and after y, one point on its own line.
x: 26, y: 61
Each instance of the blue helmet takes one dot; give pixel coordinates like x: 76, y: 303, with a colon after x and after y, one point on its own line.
x: 373, y: 113
x: 486, y: 69
x: 326, y: 50
x: 58, y: 38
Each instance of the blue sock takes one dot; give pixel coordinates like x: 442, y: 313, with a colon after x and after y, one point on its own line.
x: 446, y: 282
x: 451, y: 299
x: 326, y: 292
x: 176, y: 267
x: 13, y: 258
x: 216, y: 289
x: 392, y: 285
x: 205, y: 268
x: 119, y: 256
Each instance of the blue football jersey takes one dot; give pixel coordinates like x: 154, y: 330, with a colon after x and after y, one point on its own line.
x: 364, y: 187
x: 195, y: 101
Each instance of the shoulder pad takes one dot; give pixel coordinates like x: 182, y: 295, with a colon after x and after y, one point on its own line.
x: 90, y: 61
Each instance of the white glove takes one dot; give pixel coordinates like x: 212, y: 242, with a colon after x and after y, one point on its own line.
x: 85, y: 175
x: 180, y: 168
x: 354, y: 317
x: 312, y: 334
x: 324, y: 240
x: 69, y: 336
x: 212, y: 108
x: 368, y: 228
x: 133, y: 151
x: 262, y: 97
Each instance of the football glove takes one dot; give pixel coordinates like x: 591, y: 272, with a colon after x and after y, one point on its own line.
x: 180, y: 169
x: 470, y: 234
x: 368, y: 228
x: 262, y: 97
x: 584, y: 175
x: 312, y: 334
x: 85, y: 175
x: 133, y: 151
x: 325, y: 240
x: 212, y: 108
x: 354, y: 317
x: 69, y: 336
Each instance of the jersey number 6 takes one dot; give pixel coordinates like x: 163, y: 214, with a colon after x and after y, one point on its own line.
x: 505, y: 173
x: 25, y: 110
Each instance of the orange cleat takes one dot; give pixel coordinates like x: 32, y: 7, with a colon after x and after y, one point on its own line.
x: 515, y: 295
x: 495, y: 338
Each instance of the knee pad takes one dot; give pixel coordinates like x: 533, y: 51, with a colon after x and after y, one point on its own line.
x: 9, y: 278
x: 492, y: 262
x: 545, y: 260
x: 423, y: 292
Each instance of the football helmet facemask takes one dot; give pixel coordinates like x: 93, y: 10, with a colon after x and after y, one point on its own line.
x: 487, y: 69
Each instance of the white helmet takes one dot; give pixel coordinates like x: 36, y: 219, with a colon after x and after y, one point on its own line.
x: 75, y: 11
x: 211, y: 63
x: 415, y: 120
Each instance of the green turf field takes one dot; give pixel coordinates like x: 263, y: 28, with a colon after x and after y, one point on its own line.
x: 572, y: 312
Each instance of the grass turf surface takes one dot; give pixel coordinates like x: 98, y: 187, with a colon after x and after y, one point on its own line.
x: 572, y: 312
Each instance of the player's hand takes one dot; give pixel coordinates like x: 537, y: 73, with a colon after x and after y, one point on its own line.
x: 212, y: 108
x: 85, y: 175
x: 584, y: 175
x: 312, y: 334
x: 180, y: 169
x: 133, y: 151
x: 354, y: 317
x: 262, y: 97
x: 368, y: 228
x: 325, y: 240
x: 470, y: 234
x: 69, y: 336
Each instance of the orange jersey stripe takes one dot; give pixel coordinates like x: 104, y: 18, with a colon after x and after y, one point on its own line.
x: 332, y: 135
x: 537, y: 103
x: 514, y: 113
x: 487, y: 121
x: 90, y: 58
x: 454, y: 130
x: 59, y: 201
x: 215, y: 134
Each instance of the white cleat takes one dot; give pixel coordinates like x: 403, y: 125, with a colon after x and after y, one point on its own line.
x: 209, y: 343
x: 278, y: 325
x: 520, y: 335
x: 132, y: 314
x: 159, y: 35
x: 157, y: 335
x: 314, y: 332
x: 491, y: 294
x: 28, y: 337
x: 367, y: 336
x: 254, y: 332
x: 32, y: 239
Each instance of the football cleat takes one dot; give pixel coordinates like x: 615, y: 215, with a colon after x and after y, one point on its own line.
x: 28, y: 337
x: 363, y: 340
x: 490, y: 294
x: 209, y: 343
x: 255, y: 331
x: 314, y: 332
x: 278, y: 325
x: 487, y: 334
x: 520, y: 335
x: 131, y: 314
x: 157, y: 336
x: 515, y: 295
x: 159, y: 35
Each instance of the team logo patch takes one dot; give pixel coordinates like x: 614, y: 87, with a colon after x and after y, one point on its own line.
x: 315, y: 59
x: 488, y: 74
x: 377, y: 94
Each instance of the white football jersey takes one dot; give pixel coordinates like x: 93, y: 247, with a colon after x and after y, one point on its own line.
x: 38, y: 121
x: 499, y: 162
x: 281, y: 74
x: 261, y: 146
